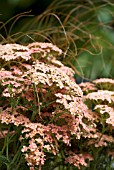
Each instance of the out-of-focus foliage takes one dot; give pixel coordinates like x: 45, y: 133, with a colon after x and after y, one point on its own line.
x: 83, y: 29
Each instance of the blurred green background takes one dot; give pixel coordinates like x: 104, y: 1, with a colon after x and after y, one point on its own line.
x: 84, y: 30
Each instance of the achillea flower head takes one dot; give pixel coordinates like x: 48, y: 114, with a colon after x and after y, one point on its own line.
x: 15, y: 118
x: 44, y: 49
x: 104, y: 140
x: 14, y: 51
x: 103, y: 109
x: 78, y: 159
x: 101, y: 96
x: 40, y: 139
x: 87, y: 87
x: 104, y: 84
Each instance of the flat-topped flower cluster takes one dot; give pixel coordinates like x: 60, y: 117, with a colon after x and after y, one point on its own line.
x: 40, y: 96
